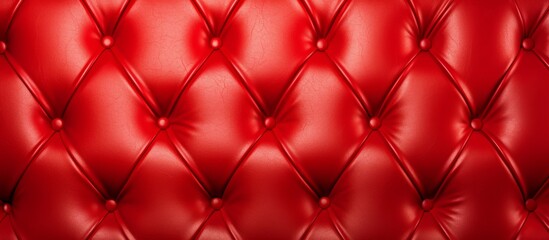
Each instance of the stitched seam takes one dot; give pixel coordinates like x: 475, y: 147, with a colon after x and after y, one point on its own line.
x: 95, y: 227
x: 350, y: 161
x: 198, y: 8
x: 177, y: 145
x: 241, y: 161
x: 80, y: 169
x: 31, y: 86
x: 506, y: 163
x: 37, y: 150
x: 305, y: 5
x: 140, y: 158
x: 413, y: 232
x: 240, y: 78
x: 123, y: 13
x: 407, y: 173
x: 291, y: 83
x: 230, y: 226
x: 335, y: 223
x: 187, y: 80
x: 350, y: 84
x: 454, y: 82
x: 88, y: 11
x: 452, y: 166
x: 415, y: 15
x: 122, y: 224
x: 294, y: 166
x: 232, y: 11
x: 395, y: 85
x: 338, y: 14
x: 543, y: 186
x: 202, y: 225
x: 515, y: 236
x: 139, y: 87
x: 535, y: 28
x: 310, y: 226
x: 447, y: 235
x: 12, y: 17
x: 13, y: 228
x: 79, y: 79
x: 500, y: 85
x: 523, y: 24
x: 441, y: 15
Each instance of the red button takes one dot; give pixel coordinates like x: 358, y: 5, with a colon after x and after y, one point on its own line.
x: 215, y: 43
x: 3, y: 47
x: 110, y: 205
x: 163, y: 123
x: 270, y: 123
x: 7, y: 208
x: 425, y: 44
x: 57, y: 124
x: 528, y: 44
x: 107, y: 41
x: 531, y: 205
x: 217, y: 203
x: 321, y: 44
x: 375, y: 123
x: 427, y: 205
x: 476, y: 124
x: 324, y: 202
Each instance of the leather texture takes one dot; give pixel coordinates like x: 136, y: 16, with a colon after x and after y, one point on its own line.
x: 286, y: 119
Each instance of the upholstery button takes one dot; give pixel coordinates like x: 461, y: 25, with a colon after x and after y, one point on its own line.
x: 216, y: 203
x: 107, y: 41
x: 324, y: 202
x: 531, y: 205
x: 476, y: 124
x: 270, y: 123
x: 321, y: 44
x: 7, y: 208
x: 425, y: 44
x: 215, y: 43
x: 528, y: 44
x: 110, y: 205
x: 163, y: 123
x: 375, y: 123
x: 57, y: 124
x: 3, y: 47
x: 427, y: 205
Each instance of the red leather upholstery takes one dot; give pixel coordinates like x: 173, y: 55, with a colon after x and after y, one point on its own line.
x: 286, y: 119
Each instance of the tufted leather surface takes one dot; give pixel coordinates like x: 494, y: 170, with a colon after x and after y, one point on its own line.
x: 287, y: 119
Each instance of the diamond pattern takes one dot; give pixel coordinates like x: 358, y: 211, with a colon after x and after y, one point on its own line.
x: 270, y: 108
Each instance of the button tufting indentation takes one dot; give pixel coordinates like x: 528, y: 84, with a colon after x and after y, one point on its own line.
x: 476, y: 124
x: 531, y: 205
x: 528, y: 43
x: 3, y: 47
x: 375, y: 123
x: 57, y: 124
x: 324, y: 202
x: 110, y: 205
x: 321, y: 44
x: 217, y: 203
x: 7, y: 208
x: 215, y: 43
x: 427, y: 205
x: 270, y: 123
x: 425, y: 44
x: 163, y: 123
x: 107, y: 41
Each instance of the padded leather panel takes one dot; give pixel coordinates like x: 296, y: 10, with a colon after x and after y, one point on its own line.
x: 286, y: 119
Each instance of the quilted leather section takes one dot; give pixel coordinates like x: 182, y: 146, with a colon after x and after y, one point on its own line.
x: 287, y: 119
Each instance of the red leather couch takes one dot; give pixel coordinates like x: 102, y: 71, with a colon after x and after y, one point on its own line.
x: 274, y: 119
